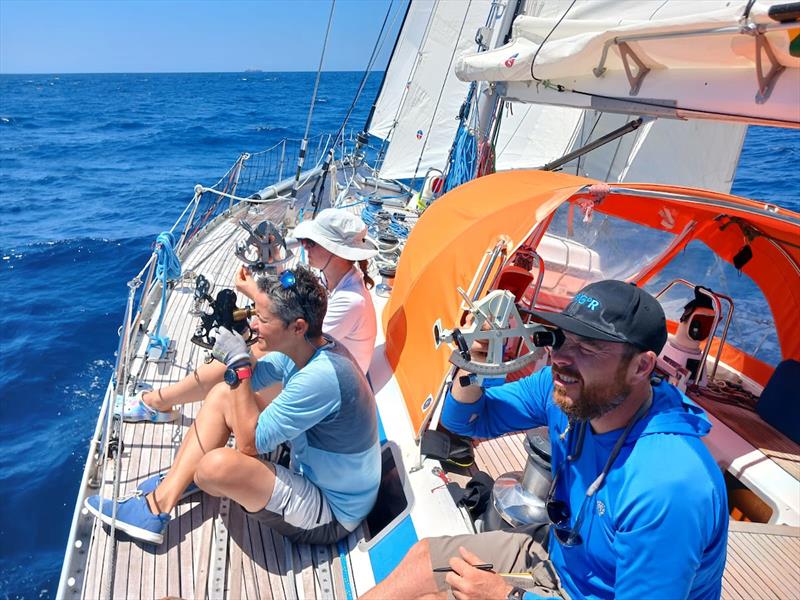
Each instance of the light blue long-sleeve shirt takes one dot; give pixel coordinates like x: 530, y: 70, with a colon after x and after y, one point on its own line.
x: 326, y: 412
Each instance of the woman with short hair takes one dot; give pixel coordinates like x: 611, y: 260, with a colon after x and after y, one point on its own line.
x: 337, y: 245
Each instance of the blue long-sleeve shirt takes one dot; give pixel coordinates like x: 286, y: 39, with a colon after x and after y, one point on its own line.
x: 326, y: 411
x: 657, y: 527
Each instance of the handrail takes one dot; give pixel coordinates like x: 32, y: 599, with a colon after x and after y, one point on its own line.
x: 749, y: 29
x: 715, y: 299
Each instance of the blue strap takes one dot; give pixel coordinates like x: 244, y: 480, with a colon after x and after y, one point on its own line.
x: 369, y: 214
x: 345, y: 569
x: 168, y: 267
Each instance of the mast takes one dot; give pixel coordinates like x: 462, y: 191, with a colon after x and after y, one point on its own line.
x: 487, y: 99
x: 481, y: 108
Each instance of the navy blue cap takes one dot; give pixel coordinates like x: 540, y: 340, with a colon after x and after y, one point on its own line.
x: 613, y: 311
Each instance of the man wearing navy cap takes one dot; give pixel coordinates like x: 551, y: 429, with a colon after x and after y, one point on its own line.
x: 637, y: 507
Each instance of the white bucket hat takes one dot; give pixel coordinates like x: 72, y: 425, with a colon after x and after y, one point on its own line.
x: 340, y: 232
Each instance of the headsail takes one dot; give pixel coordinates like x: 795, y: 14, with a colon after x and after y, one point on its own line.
x: 400, y: 68
x: 730, y: 61
x: 427, y: 122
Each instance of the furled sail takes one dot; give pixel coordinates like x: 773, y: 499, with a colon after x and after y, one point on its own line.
x: 426, y: 123
x: 729, y: 60
x: 692, y: 153
x: 400, y: 68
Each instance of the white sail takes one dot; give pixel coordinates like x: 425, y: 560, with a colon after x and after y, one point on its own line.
x: 695, y: 59
x: 398, y: 73
x: 692, y: 153
x: 427, y: 121
x: 532, y: 135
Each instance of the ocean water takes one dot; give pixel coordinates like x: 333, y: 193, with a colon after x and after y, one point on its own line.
x: 92, y: 168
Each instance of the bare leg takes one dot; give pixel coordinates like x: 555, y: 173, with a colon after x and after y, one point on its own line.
x: 192, y: 388
x: 209, y: 431
x: 413, y: 578
x: 207, y: 436
x: 244, y: 479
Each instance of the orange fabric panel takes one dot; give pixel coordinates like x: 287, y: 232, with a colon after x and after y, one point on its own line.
x: 450, y: 239
x: 774, y: 270
x: 443, y: 251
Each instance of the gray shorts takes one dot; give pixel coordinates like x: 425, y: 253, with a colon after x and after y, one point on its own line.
x: 520, y: 559
x: 298, y: 510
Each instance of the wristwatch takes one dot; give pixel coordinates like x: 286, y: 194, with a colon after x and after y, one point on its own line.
x: 234, y: 375
x: 516, y: 593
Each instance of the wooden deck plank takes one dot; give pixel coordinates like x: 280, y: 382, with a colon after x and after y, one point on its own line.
x: 126, y: 574
x: 501, y: 455
x: 513, y: 451
x: 144, y: 437
x: 162, y: 456
x: 235, y: 529
x: 738, y: 572
x: 275, y: 549
x: 339, y: 591
x: 733, y: 588
x: 775, y: 554
x: 210, y: 507
x: 486, y: 459
x: 188, y: 570
x: 305, y: 566
x: 94, y: 572
x: 730, y: 591
x: 750, y: 570
x: 253, y: 550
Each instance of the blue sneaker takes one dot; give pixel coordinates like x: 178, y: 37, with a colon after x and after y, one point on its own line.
x: 151, y: 483
x: 134, y: 410
x: 133, y: 517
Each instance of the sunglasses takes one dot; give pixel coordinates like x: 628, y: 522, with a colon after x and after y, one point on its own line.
x: 287, y: 279
x: 558, y: 511
x: 307, y: 243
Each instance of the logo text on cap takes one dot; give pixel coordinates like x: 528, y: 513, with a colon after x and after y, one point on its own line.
x: 588, y: 301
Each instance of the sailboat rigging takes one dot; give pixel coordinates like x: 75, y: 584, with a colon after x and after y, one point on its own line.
x: 594, y: 92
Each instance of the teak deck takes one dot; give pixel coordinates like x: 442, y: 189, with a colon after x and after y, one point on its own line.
x: 212, y: 550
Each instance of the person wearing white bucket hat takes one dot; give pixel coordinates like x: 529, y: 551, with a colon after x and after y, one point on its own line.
x: 335, y: 242
x: 340, y: 232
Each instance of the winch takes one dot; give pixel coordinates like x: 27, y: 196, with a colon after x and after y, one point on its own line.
x: 518, y: 497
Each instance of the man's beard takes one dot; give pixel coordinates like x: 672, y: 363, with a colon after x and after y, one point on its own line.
x: 595, y: 399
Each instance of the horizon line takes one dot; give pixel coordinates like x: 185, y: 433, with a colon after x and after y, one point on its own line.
x: 244, y: 71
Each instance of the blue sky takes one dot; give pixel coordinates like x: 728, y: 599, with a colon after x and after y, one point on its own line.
x: 124, y: 36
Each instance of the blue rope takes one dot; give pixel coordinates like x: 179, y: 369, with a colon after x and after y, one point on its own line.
x: 463, y: 159
x: 356, y: 203
x: 168, y: 267
x: 369, y: 214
